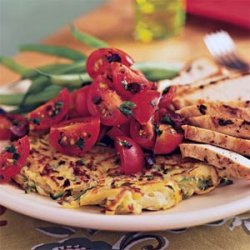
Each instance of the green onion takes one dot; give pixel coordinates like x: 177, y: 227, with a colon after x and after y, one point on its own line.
x: 47, y: 94
x: 72, y: 80
x: 156, y: 71
x: 89, y: 40
x: 14, y: 66
x: 127, y: 108
x: 25, y: 109
x: 11, y: 99
x: 42, y: 81
x: 16, y: 99
x: 59, y: 51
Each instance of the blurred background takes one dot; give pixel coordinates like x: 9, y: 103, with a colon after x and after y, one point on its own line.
x: 30, y: 21
x: 25, y: 21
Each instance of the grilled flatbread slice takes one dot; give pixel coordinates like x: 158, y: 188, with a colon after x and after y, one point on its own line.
x: 235, y: 164
x: 238, y: 145
x: 217, y: 109
x: 235, y: 89
x: 235, y: 127
x: 198, y: 70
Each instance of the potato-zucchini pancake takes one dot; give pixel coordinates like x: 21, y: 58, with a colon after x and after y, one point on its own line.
x: 95, y: 179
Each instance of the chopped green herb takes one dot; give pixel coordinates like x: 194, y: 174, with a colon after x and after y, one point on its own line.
x: 36, y: 121
x: 10, y: 149
x: 204, y: 184
x: 58, y: 104
x: 185, y: 195
x: 157, y: 130
x: 57, y: 109
x: 187, y: 179
x: 166, y: 119
x: 125, y: 144
x: 56, y: 196
x: 30, y: 188
x: 149, y: 177
x: 80, y: 143
x: 127, y: 108
x: 16, y: 156
x: 226, y: 182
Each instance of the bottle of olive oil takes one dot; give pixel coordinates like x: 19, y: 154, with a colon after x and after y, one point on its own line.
x: 158, y: 19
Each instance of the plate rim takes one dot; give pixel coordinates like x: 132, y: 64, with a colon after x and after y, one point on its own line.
x: 155, y: 222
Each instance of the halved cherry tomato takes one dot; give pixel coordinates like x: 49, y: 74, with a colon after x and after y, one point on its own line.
x: 13, y: 126
x: 13, y: 158
x: 99, y: 61
x: 105, y: 103
x: 127, y: 82
x: 120, y: 130
x: 167, y: 97
x: 146, y: 102
x: 51, y: 112
x: 79, y: 101
x: 143, y: 134
x: 5, y: 125
x: 131, y: 155
x: 167, y: 139
x: 76, y: 136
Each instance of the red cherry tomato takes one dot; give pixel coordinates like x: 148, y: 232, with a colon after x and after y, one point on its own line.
x: 105, y: 103
x: 131, y: 155
x: 13, y: 158
x: 167, y: 98
x: 121, y: 130
x: 146, y: 103
x: 13, y: 126
x: 5, y: 125
x: 79, y: 101
x: 99, y: 61
x: 127, y: 82
x: 51, y: 112
x: 167, y: 139
x: 143, y: 134
x: 76, y: 136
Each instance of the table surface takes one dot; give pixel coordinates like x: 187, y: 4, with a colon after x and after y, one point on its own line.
x: 113, y: 22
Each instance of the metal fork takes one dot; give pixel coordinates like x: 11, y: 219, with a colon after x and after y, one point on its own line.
x: 222, y: 47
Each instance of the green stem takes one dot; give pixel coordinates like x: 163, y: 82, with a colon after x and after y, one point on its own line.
x: 14, y: 66
x: 156, y: 71
x: 16, y: 99
x: 59, y: 51
x: 73, y: 80
x: 87, y: 39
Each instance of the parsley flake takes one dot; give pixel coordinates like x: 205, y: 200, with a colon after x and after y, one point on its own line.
x: 80, y: 143
x: 127, y: 108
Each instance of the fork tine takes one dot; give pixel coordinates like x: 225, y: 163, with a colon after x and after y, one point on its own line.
x: 223, y: 49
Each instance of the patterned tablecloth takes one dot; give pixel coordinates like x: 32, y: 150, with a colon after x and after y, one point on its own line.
x: 19, y: 232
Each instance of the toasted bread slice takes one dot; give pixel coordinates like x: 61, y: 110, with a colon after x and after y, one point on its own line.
x: 195, y: 71
x: 235, y: 164
x: 235, y: 89
x: 215, y: 109
x: 234, y: 127
x: 238, y: 145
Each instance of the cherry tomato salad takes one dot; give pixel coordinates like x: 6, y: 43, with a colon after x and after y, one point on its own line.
x: 120, y: 104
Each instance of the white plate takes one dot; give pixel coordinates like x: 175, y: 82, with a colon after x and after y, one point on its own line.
x: 219, y: 204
